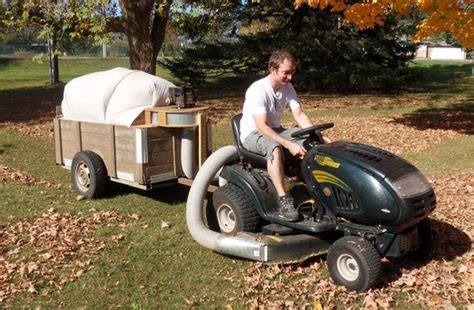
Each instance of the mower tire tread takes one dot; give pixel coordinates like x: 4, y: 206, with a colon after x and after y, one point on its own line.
x: 366, y: 256
x: 247, y: 217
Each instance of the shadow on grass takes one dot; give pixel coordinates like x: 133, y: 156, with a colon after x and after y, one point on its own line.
x: 26, y: 104
x: 450, y: 243
x: 459, y: 117
x: 4, y: 146
x: 6, y: 61
x: 172, y: 194
x: 434, y: 78
x: 439, y: 77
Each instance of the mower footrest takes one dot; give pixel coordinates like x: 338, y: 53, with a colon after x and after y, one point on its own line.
x: 277, y: 230
x: 304, y: 225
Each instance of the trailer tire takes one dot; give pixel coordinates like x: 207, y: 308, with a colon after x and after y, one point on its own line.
x: 354, y: 263
x: 235, y: 210
x: 88, y: 174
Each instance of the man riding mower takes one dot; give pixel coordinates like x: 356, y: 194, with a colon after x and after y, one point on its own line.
x: 361, y: 202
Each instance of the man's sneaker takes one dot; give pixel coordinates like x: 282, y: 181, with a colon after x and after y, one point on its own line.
x: 287, y: 209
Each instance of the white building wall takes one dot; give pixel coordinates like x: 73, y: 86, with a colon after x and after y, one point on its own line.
x: 422, y: 51
x: 447, y: 53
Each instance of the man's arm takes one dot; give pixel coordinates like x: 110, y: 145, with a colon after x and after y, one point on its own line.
x: 261, y: 123
x: 301, y: 118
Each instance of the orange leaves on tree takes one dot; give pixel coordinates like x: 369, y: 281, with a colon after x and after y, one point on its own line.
x: 459, y: 23
x: 365, y: 15
x: 456, y: 17
x: 336, y: 5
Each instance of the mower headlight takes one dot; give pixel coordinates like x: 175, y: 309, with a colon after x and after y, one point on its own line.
x: 411, y: 184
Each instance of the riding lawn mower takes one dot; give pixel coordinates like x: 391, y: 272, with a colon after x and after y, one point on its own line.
x: 357, y: 203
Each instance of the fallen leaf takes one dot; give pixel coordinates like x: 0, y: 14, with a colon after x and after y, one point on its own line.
x: 32, y: 290
x: 117, y: 238
x: 46, y: 256
x: 133, y: 216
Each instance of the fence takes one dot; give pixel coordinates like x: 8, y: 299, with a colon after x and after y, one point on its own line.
x: 29, y: 50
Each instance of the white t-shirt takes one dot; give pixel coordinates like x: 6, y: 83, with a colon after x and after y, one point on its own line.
x: 260, y: 98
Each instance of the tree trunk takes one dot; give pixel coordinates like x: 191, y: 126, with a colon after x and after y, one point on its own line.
x: 145, y: 38
x: 53, y: 61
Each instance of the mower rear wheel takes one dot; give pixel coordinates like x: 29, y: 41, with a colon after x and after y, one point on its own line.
x: 88, y: 174
x: 354, y: 263
x: 235, y: 210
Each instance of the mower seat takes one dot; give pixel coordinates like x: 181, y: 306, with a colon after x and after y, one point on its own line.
x: 245, y: 155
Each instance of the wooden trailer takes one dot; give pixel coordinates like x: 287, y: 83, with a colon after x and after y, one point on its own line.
x: 145, y: 155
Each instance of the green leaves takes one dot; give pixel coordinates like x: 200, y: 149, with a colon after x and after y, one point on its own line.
x: 74, y: 19
x: 331, y: 56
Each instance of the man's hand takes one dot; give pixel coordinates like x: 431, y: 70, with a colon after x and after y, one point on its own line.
x: 326, y: 140
x: 295, y: 149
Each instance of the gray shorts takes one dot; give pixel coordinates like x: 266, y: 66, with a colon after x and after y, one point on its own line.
x: 255, y: 142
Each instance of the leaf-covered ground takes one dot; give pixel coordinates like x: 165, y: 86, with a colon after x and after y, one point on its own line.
x: 46, y: 253
x: 447, y: 280
x: 51, y: 251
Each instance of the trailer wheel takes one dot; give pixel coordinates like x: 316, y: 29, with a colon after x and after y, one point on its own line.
x: 425, y: 241
x: 88, y: 174
x: 235, y: 210
x: 354, y: 263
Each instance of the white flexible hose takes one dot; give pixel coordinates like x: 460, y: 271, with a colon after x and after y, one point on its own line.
x: 194, y: 207
x: 242, y: 245
x: 187, y: 153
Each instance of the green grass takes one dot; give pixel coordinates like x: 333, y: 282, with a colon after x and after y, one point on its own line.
x: 38, y: 163
x: 23, y: 73
x: 151, y: 266
x: 154, y: 267
x: 436, y: 76
x: 449, y: 158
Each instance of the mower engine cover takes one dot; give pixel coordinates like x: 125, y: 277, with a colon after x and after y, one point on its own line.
x: 368, y: 185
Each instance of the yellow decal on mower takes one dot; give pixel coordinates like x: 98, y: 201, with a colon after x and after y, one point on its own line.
x: 326, y: 177
x: 326, y: 161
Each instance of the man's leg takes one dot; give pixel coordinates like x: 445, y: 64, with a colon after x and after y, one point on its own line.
x: 276, y: 170
x: 264, y: 146
x: 261, y: 145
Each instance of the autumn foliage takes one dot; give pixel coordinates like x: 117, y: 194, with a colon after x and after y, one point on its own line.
x: 456, y: 17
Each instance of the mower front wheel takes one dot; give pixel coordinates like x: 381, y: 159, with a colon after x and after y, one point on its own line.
x: 354, y: 263
x: 235, y: 210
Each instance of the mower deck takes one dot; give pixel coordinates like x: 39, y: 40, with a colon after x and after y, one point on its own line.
x: 290, y: 247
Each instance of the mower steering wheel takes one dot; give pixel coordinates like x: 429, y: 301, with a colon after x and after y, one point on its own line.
x: 312, y: 131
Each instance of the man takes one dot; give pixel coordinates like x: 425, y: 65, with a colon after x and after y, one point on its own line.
x: 260, y: 127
